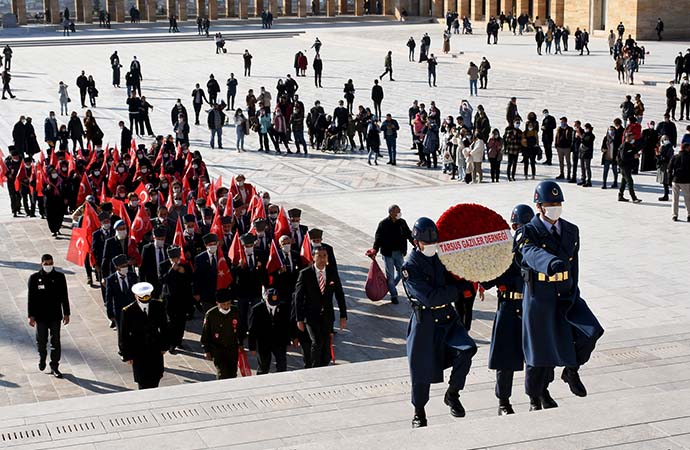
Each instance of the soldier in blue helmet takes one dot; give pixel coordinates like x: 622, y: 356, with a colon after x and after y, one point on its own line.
x: 558, y: 329
x: 436, y: 339
x: 505, y: 354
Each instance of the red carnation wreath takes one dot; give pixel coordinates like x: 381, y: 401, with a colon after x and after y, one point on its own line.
x: 474, y: 242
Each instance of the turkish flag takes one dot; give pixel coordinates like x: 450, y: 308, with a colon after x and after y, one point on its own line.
x: 21, y: 175
x: 120, y: 211
x: 141, y: 224
x: 90, y: 223
x: 77, y: 244
x: 3, y: 168
x: 133, y: 252
x: 274, y: 262
x: 305, y: 251
x: 201, y: 191
x: 40, y: 174
x: 236, y: 252
x: 224, y: 277
x: 243, y: 363
x: 282, y: 225
x: 84, y: 189
x: 256, y: 207
x: 217, y: 225
x: 104, y: 194
x: 142, y: 193
x: 178, y: 240
x: 70, y: 162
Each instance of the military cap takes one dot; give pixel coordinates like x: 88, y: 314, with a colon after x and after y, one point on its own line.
x: 247, y: 239
x: 28, y: 159
x: 315, y: 233
x: 271, y: 296
x: 104, y: 216
x: 260, y: 224
x: 141, y: 147
x: 294, y: 212
x: 119, y: 223
x: 223, y: 295
x: 210, y: 238
x: 159, y: 232
x: 174, y: 251
x: 206, y: 212
x: 120, y: 260
x: 200, y: 202
x: 226, y: 220
x: 189, y: 218
x: 237, y: 201
x: 106, y: 207
x: 142, y: 289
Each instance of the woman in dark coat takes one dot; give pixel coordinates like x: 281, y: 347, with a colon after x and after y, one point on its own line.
x: 54, y: 201
x: 32, y: 146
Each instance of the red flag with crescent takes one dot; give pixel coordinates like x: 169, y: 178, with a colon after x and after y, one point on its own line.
x: 141, y: 224
x: 282, y: 225
x: 224, y: 277
x: 274, y: 262
x: 305, y: 251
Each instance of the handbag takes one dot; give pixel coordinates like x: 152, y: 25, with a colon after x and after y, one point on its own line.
x: 69, y: 99
x: 376, y: 286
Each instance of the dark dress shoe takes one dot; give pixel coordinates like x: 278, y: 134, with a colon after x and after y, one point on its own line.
x: 418, y: 421
x: 453, y: 401
x: 41, y: 366
x: 56, y: 373
x: 571, y: 377
x: 504, y: 410
x: 112, y: 324
x: 534, y: 404
x: 394, y: 300
x: 173, y: 351
x: 547, y: 402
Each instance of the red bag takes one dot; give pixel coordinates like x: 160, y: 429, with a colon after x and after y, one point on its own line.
x: 376, y: 286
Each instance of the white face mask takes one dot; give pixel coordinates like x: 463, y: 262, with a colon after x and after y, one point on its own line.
x: 266, y: 201
x: 134, y: 203
x: 294, y: 225
x: 552, y: 212
x: 212, y: 249
x: 121, y: 234
x: 286, y: 248
x: 398, y: 216
x: 106, y: 226
x: 429, y: 250
x: 159, y: 243
x: 260, y: 234
x: 249, y: 251
x: 48, y: 268
x: 144, y: 170
x: 273, y: 216
x: 223, y: 311
x: 315, y: 245
x: 123, y: 270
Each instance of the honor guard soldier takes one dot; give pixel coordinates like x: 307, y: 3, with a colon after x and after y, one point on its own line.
x: 436, y: 339
x: 144, y: 336
x: 219, y: 337
x: 270, y: 331
x: 48, y: 307
x: 505, y: 352
x: 559, y: 329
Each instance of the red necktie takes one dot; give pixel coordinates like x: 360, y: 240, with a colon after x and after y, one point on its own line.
x: 322, y: 282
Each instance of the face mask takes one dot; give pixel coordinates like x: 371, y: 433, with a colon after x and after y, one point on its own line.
x: 123, y: 270
x: 315, y: 245
x: 212, y: 249
x: 249, y: 251
x: 207, y: 221
x: 273, y: 216
x: 223, y: 311
x: 189, y: 230
x: 240, y: 183
x: 96, y: 173
x: 28, y: 166
x: 563, y: 124
x: 159, y: 243
x: 47, y: 268
x: 195, y: 166
x: 552, y: 212
x: 134, y: 203
x: 286, y: 248
x: 429, y: 250
x: 185, y: 151
x: 177, y: 190
x: 178, y: 202
x: 294, y: 225
x: 612, y: 133
x: 260, y: 234
x: 398, y: 216
x: 530, y: 128
x: 154, y: 198
x: 166, y: 155
x: 53, y: 176
x: 144, y: 170
x: 517, y: 124
x: 266, y: 201
x: 106, y: 226
x: 121, y: 170
x: 121, y: 234
x: 164, y: 185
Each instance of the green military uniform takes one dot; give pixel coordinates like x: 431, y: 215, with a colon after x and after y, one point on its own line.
x: 219, y: 338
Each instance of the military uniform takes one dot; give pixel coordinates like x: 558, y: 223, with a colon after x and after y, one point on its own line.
x: 219, y: 338
x: 144, y: 339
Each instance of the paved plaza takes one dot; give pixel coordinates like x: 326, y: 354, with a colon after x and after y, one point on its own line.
x: 633, y: 258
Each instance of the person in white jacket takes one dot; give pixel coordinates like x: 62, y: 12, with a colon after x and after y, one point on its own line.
x: 475, y: 156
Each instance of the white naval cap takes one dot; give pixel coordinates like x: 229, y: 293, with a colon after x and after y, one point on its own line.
x: 142, y: 289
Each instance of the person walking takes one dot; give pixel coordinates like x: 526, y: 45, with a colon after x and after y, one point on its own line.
x: 664, y: 154
x: 6, y: 78
x: 431, y: 69
x: 388, y: 65
x: 92, y: 91
x: 679, y: 175
x: 390, y: 239
x: 317, y: 65
x: 473, y: 74
x: 48, y: 309
x: 198, y: 100
x: 627, y: 161
x: 215, y: 122
x: 219, y: 336
x: 390, y: 128
x: 241, y: 129
x: 671, y: 100
x: 539, y: 38
x: 484, y: 68
x: 373, y: 141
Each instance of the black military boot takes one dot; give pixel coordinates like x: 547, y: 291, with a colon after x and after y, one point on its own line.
x: 547, y: 402
x: 534, y: 404
x: 452, y: 399
x: 504, y: 407
x: 419, y: 419
x: 571, y: 377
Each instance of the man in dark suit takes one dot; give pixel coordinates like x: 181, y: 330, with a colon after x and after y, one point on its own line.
x: 263, y: 242
x: 298, y: 231
x: 193, y: 241
x: 242, y: 220
x: 152, y: 256
x: 125, y: 136
x: 250, y: 276
x: 118, y: 290
x: 206, y: 271
x: 316, y: 237
x: 48, y: 306
x: 314, y: 292
x: 144, y: 336
x: 118, y: 244
x: 270, y: 331
x: 176, y: 279
x: 98, y: 239
x: 206, y: 221
x: 226, y: 238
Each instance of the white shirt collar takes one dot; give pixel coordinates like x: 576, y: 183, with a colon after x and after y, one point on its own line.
x: 548, y: 224
x: 144, y: 307
x: 316, y: 269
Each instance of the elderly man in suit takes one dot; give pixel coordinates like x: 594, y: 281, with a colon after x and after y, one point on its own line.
x: 118, y: 290
x: 314, y: 311
x: 152, y: 256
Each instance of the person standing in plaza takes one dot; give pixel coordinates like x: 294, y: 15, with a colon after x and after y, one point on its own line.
x: 7, y: 51
x: 247, y: 58
x: 232, y: 90
x: 671, y: 100
x: 317, y: 65
x: 270, y: 331
x: 388, y: 65
x: 389, y: 128
x: 48, y: 308
x: 64, y: 98
x: 143, y: 336
x: 6, y: 78
x: 83, y: 85
x: 473, y: 74
x: 484, y: 68
x: 390, y: 239
x: 411, y: 44
x: 548, y: 125
x: 431, y: 64
x: 219, y: 337
x: 436, y: 340
x: 679, y: 174
x: 176, y: 280
x: 559, y: 329
x: 198, y: 100
x: 627, y: 161
x: 213, y: 89
x: 215, y: 122
x: 564, y: 143
x: 377, y: 97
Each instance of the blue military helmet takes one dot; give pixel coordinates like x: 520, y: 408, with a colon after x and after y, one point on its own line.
x: 522, y: 214
x: 548, y: 192
x: 424, y: 230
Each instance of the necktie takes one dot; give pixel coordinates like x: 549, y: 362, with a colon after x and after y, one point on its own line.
x: 287, y: 263
x: 213, y: 261
x: 554, y: 232
x: 123, y: 283
x: 322, y: 282
x: 250, y: 262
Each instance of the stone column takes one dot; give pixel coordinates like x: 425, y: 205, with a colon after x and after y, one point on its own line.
x: 116, y: 8
x: 18, y: 8
x: 463, y: 9
x: 273, y: 7
x: 258, y: 7
x: 201, y: 8
x: 539, y: 10
x: 182, y: 10
x: 450, y: 5
x: 424, y: 8
x: 399, y: 5
x: 330, y: 8
x: 213, y: 9
x: 359, y: 7
x: 477, y: 11
x: 87, y: 8
x: 54, y: 7
x: 244, y: 9
x: 302, y: 8
x: 507, y: 6
x: 342, y: 7
x: 78, y: 14
x: 521, y: 6
x: 287, y: 7
x: 151, y: 13
x: 557, y: 11
x: 492, y: 9
x: 437, y: 8
x: 141, y: 6
x: 171, y: 7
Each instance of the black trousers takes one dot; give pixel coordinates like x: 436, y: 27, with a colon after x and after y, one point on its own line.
x: 512, y: 166
x: 15, y: 197
x: 82, y: 95
x: 317, y: 79
x: 279, y: 352
x: 626, y: 181
x: 247, y: 71
x: 462, y: 361
x: 146, y: 123
x: 43, y: 329
x: 245, y: 305
x: 226, y: 363
x: 464, y: 308
x: 320, y: 335
x: 231, y: 101
x: 504, y: 384
x: 548, y: 146
x: 305, y: 344
x: 177, y: 323
x: 537, y: 380
x: 495, y: 169
x: 134, y: 123
x: 149, y: 384
x: 377, y: 109
x: 197, y: 110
